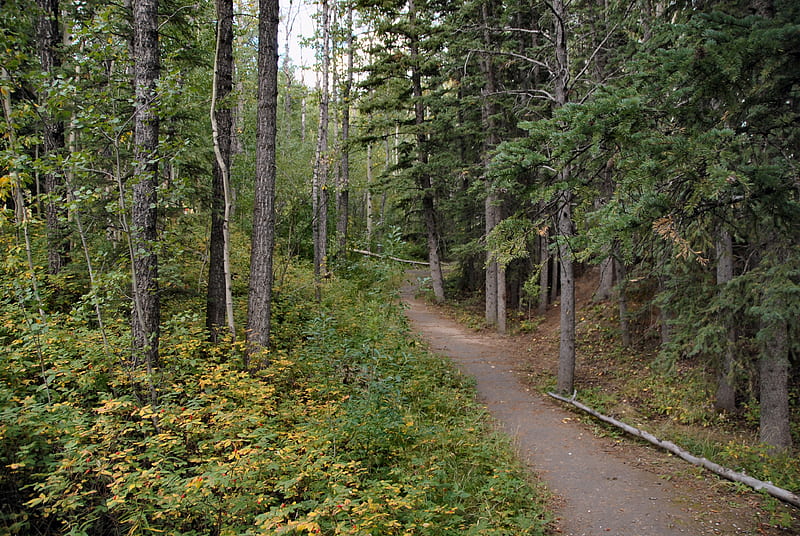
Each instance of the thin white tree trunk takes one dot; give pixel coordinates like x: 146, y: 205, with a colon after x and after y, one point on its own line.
x: 319, y: 183
x: 226, y: 235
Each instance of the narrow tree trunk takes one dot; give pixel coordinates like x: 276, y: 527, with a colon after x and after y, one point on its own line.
x: 369, y: 216
x: 259, y: 303
x: 219, y: 309
x: 495, y: 272
x: 49, y: 41
x: 624, y: 323
x: 566, y: 354
x: 725, y: 399
x: 566, y: 351
x: 319, y: 186
x: 607, y: 279
x: 424, y: 180
x: 147, y: 312
x: 491, y: 265
x: 343, y: 191
x: 544, y: 274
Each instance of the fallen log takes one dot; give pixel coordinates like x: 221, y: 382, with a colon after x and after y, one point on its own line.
x: 735, y: 476
x: 381, y: 256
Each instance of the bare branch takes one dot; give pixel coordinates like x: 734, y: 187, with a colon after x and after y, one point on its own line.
x: 528, y: 31
x: 513, y: 55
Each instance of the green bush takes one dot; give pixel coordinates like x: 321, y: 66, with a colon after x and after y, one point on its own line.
x: 351, y: 429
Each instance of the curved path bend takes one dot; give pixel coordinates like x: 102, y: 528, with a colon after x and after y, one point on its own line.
x: 599, y: 492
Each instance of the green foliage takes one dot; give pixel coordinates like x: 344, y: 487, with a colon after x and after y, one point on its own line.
x: 353, y: 429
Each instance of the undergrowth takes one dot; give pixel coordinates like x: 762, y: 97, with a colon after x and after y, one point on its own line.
x: 352, y: 428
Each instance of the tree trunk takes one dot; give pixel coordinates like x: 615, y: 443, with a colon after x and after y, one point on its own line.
x: 369, y: 208
x: 219, y: 298
x: 725, y: 399
x: 566, y: 353
x: 607, y: 279
x: 624, y: 323
x: 259, y: 303
x: 544, y: 274
x: 147, y: 312
x: 49, y: 41
x: 492, y: 266
x: 319, y: 185
x: 495, y: 272
x: 566, y: 350
x: 343, y: 190
x: 774, y: 422
x: 424, y: 180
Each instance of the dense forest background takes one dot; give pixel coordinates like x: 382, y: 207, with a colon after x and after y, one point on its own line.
x: 183, y: 210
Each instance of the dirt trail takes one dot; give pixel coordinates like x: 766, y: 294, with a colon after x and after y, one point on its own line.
x: 600, y: 491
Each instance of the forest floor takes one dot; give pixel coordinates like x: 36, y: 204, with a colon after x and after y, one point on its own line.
x: 603, y: 482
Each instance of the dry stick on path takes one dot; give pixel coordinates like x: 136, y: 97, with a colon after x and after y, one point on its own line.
x: 759, y: 485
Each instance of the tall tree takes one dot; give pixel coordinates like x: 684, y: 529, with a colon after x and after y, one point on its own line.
x: 259, y: 303
x: 49, y: 45
x: 343, y: 188
x: 495, y: 305
x: 319, y: 184
x: 219, y: 300
x: 146, y: 314
x: 561, y: 79
x: 423, y: 176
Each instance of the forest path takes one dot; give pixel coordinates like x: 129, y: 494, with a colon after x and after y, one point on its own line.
x: 602, y: 486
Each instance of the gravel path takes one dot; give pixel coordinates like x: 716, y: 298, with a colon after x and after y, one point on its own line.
x: 600, y: 493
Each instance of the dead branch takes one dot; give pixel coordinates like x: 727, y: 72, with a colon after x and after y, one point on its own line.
x: 756, y: 484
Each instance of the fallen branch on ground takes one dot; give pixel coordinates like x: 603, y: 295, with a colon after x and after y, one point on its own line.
x: 381, y: 256
x: 775, y: 491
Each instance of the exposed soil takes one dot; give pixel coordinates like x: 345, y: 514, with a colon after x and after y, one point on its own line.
x: 603, y: 485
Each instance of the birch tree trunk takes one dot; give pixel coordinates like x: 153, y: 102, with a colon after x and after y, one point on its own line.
x: 219, y: 298
x: 319, y: 185
x: 259, y: 302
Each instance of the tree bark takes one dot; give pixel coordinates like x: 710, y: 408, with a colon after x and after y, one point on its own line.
x: 544, y: 274
x: 624, y: 323
x: 219, y: 297
x: 49, y: 41
x: 774, y: 427
x: 495, y: 272
x: 319, y: 185
x: 566, y: 350
x: 492, y: 266
x: 343, y: 190
x: 147, y: 313
x: 423, y: 177
x: 369, y: 202
x: 725, y: 399
x: 775, y: 424
x: 259, y: 302
x: 566, y: 353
